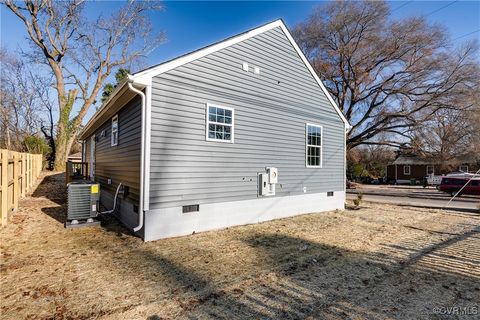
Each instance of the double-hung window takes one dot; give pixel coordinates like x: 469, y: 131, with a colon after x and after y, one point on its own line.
x: 313, y: 155
x: 219, y: 123
x: 115, y: 130
x: 406, y: 170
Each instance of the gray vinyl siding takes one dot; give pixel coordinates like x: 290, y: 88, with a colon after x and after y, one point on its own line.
x: 121, y: 163
x: 271, y: 110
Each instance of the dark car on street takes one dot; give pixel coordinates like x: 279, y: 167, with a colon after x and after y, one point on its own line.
x: 454, y: 186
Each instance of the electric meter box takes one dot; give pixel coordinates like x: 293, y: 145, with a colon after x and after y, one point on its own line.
x: 272, y: 175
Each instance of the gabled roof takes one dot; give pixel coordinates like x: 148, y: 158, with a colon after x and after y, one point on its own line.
x: 411, y: 160
x: 145, y: 76
x: 417, y: 160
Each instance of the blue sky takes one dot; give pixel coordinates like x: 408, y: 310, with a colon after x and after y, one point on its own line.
x: 191, y: 25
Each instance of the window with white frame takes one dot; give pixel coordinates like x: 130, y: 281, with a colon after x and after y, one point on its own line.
x: 430, y: 170
x: 314, y: 146
x: 406, y: 170
x: 219, y: 123
x: 115, y: 130
x: 464, y: 168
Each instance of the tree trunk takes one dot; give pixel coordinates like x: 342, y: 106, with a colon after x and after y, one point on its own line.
x: 61, y: 151
x: 64, y: 131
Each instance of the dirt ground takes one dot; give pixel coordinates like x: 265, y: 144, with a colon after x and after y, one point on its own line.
x: 379, y: 262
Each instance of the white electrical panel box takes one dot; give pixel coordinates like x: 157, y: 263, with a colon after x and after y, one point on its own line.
x: 267, y: 181
x: 245, y: 66
x: 272, y: 175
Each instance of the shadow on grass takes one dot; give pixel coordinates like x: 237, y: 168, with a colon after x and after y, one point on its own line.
x: 401, y: 280
x: 314, y: 280
x: 53, y: 188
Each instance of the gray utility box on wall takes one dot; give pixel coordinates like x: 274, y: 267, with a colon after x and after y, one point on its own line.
x: 83, y: 198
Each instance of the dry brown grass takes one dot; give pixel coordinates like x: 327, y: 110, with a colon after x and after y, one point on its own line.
x: 379, y: 262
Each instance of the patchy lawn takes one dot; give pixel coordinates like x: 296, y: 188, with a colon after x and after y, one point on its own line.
x: 379, y: 262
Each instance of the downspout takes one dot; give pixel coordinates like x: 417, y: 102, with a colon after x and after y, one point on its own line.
x: 142, y: 157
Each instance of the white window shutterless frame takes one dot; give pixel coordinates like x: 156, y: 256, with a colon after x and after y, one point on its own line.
x: 114, y: 138
x: 219, y: 123
x: 313, y: 146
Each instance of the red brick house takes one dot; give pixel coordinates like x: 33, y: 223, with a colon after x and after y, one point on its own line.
x: 405, y: 168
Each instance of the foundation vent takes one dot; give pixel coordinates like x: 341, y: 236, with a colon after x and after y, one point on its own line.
x: 191, y: 208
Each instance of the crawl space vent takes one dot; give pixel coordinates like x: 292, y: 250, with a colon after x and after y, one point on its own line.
x: 191, y: 208
x: 330, y: 194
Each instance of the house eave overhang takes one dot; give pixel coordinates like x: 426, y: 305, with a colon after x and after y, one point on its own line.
x: 119, y: 97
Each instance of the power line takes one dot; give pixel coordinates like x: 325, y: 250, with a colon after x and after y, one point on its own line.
x: 466, y: 35
x: 441, y: 8
x: 401, y: 6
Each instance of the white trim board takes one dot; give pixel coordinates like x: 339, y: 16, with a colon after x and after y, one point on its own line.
x: 145, y: 77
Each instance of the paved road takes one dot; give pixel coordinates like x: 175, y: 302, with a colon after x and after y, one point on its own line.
x: 413, y: 196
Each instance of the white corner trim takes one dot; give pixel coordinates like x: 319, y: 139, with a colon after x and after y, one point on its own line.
x: 147, y: 75
x: 148, y: 145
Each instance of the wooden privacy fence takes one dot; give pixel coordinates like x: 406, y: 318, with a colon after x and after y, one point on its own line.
x: 19, y: 172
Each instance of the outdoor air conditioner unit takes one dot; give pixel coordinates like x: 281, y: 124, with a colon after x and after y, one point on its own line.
x: 83, y: 198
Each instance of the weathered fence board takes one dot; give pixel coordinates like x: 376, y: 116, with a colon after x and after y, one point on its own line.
x: 19, y: 172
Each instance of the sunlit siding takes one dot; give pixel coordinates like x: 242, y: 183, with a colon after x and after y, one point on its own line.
x: 271, y: 111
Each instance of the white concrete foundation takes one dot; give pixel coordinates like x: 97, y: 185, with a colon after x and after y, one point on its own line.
x: 171, y: 222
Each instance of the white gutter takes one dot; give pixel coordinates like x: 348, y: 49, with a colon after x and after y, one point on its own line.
x: 142, y: 160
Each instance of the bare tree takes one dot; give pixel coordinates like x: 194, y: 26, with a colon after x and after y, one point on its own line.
x: 21, y: 99
x: 386, y: 76
x: 81, y: 54
x: 368, y: 160
x: 451, y: 134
